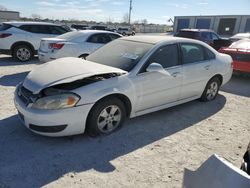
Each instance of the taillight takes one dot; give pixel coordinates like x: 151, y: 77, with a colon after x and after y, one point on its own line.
x: 56, y: 46
x: 4, y: 35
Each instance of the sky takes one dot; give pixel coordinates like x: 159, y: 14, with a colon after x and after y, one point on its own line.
x: 155, y: 11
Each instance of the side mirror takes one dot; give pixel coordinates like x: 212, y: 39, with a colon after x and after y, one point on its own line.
x: 156, y: 67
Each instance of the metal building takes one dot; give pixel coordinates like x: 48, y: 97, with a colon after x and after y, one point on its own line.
x: 9, y: 15
x: 226, y: 25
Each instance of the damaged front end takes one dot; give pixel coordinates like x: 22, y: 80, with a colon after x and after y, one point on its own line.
x: 59, y: 96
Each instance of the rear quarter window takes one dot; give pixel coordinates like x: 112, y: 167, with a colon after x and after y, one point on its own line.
x: 4, y: 27
x: 209, y: 55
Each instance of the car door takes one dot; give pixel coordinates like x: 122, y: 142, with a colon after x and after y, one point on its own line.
x: 96, y: 41
x: 198, y: 68
x: 154, y: 88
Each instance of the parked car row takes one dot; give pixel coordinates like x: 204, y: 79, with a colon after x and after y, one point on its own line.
x: 23, y: 40
x: 74, y: 44
x: 121, y: 30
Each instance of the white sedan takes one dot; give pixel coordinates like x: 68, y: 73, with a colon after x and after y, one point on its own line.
x: 128, y: 77
x: 74, y: 44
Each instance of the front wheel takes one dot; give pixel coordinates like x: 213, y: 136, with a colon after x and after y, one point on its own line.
x: 211, y: 90
x: 106, y: 116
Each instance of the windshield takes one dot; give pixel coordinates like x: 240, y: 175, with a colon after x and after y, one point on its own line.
x: 122, y: 54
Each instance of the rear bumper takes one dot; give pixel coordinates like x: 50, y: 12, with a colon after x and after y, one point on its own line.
x: 45, y: 57
x: 241, y: 66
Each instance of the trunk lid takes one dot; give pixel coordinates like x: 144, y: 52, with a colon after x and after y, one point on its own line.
x: 45, y: 42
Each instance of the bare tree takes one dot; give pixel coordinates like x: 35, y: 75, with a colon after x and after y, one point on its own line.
x: 36, y: 16
x: 3, y: 8
x: 144, y: 21
x: 125, y: 18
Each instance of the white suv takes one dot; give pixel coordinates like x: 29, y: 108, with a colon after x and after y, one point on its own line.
x: 22, y: 39
x: 126, y: 31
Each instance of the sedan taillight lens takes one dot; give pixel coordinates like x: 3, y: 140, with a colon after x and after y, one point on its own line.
x: 5, y: 35
x: 56, y: 46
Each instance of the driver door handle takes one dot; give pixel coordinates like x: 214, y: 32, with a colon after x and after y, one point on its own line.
x: 175, y: 74
x: 207, y: 67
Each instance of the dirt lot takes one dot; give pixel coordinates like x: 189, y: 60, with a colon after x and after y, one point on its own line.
x: 149, y: 151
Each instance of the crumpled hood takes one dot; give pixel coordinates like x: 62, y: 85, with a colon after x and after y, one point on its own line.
x: 64, y: 70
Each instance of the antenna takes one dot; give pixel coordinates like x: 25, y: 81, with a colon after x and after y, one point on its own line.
x: 130, y: 9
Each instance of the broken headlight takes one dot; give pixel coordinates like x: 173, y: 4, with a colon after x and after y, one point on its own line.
x: 54, y: 102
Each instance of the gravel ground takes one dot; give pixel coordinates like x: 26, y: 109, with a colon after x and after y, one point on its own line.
x: 149, y: 151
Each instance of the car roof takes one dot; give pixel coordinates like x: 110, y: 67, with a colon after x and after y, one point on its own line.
x: 241, y: 35
x: 95, y: 31
x: 17, y: 24
x: 197, y: 30
x: 242, y: 44
x: 158, y: 39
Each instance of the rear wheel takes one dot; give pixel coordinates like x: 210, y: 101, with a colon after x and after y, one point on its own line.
x: 106, y: 117
x: 23, y: 53
x: 211, y: 90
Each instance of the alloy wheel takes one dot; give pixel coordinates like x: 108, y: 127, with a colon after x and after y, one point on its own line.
x: 109, y: 119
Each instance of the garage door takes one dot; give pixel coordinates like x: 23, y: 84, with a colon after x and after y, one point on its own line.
x: 226, y: 26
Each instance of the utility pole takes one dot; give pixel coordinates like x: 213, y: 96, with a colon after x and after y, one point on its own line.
x: 130, y: 9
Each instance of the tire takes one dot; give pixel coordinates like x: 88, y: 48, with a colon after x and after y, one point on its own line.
x: 124, y: 34
x: 102, y: 120
x: 83, y: 56
x: 133, y: 34
x: 211, y: 90
x: 23, y: 53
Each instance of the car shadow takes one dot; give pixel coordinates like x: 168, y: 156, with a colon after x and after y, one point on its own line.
x: 238, y: 85
x: 30, y: 160
x: 10, y: 61
x: 12, y: 79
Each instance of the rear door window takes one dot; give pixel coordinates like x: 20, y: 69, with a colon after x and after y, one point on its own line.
x: 39, y: 29
x: 192, y: 53
x: 56, y: 30
x: 99, y: 38
x: 114, y: 36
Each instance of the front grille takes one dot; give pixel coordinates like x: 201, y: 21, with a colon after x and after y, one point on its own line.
x: 25, y: 95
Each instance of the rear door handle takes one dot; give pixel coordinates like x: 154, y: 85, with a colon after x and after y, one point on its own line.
x: 207, y: 67
x: 175, y: 74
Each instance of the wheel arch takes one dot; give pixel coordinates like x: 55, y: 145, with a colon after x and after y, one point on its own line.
x: 126, y: 101
x: 83, y: 55
x: 22, y: 43
x: 219, y: 76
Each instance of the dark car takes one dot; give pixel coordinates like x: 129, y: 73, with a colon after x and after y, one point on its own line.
x: 205, y: 35
x: 98, y: 27
x: 79, y: 27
